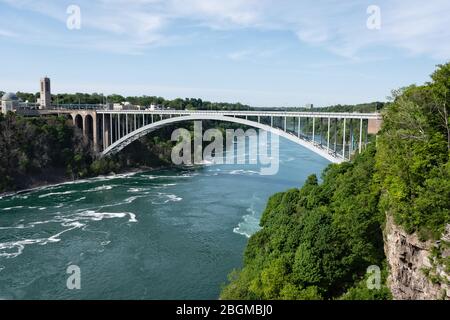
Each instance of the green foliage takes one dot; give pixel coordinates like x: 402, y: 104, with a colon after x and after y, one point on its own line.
x: 316, y: 242
x: 176, y: 104
x: 30, y: 146
x: 413, y: 155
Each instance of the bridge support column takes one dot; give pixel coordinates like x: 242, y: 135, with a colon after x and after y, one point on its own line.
x: 118, y: 126
x: 360, y: 135
x: 314, y: 132
x: 343, y: 141
x: 335, y: 134
x: 104, y: 144
x: 328, y: 135
x: 83, y: 117
x: 350, y: 144
x: 111, y: 129
x: 95, y: 132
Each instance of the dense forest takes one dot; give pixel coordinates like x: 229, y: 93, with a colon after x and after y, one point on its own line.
x: 50, y: 149
x: 317, y: 242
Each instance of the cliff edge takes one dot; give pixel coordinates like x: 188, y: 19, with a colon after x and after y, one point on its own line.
x: 416, y: 268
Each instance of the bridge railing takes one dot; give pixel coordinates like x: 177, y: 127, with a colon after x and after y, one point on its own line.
x: 333, y: 115
x: 74, y: 106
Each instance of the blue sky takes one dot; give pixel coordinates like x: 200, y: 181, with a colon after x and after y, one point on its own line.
x: 258, y: 52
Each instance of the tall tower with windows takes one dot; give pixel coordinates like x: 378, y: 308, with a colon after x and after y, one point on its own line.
x: 46, y: 97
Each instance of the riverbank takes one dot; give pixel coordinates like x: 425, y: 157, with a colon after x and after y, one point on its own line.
x: 56, y: 176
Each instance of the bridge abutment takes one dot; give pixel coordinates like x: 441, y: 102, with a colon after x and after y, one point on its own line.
x: 89, y: 126
x: 374, y: 126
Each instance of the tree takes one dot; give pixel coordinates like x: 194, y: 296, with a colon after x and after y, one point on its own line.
x: 441, y: 96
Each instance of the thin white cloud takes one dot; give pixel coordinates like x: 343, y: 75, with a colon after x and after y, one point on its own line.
x: 415, y: 26
x: 418, y: 27
x: 252, y: 54
x: 218, y: 13
x: 239, y: 55
x: 7, y: 33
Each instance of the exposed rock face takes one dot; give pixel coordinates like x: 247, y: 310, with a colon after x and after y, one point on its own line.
x: 407, y: 258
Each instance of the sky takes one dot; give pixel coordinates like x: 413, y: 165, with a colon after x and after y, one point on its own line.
x: 266, y: 53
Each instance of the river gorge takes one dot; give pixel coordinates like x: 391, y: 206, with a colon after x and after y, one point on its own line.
x: 166, y: 234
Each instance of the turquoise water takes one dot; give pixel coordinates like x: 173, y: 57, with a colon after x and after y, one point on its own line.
x: 168, y: 234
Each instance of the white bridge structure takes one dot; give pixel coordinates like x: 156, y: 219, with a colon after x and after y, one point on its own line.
x: 334, y: 136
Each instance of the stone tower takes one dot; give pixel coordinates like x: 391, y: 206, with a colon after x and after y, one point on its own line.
x: 46, y: 98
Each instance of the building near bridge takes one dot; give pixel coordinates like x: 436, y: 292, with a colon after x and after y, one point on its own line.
x: 46, y: 96
x: 10, y: 102
x: 154, y: 107
x: 126, y: 106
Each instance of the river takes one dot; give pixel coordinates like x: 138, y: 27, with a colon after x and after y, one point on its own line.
x: 168, y: 234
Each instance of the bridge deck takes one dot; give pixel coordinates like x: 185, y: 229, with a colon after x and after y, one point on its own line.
x: 341, y: 115
x: 232, y: 113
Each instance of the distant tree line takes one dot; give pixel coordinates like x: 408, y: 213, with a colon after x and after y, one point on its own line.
x: 184, y: 104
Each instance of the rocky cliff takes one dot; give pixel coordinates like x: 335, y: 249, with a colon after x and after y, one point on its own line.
x: 416, y: 268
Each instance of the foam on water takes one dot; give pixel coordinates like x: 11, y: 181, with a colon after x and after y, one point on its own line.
x: 98, y: 216
x: 24, y: 194
x: 166, y: 198
x: 12, y: 208
x: 15, y: 248
x: 55, y: 194
x: 243, y: 172
x: 77, y: 220
x: 249, y: 226
x: 101, y: 188
x: 137, y: 190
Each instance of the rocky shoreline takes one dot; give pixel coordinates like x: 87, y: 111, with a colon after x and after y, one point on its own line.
x: 411, y: 262
x: 55, y: 177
